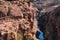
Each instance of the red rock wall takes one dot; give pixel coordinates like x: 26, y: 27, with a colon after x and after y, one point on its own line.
x: 17, y: 18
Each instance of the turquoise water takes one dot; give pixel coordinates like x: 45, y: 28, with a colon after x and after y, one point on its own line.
x: 41, y: 36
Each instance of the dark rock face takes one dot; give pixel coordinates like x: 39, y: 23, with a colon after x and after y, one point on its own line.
x: 49, y: 24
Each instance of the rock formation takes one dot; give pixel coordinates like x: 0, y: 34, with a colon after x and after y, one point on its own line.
x: 16, y: 19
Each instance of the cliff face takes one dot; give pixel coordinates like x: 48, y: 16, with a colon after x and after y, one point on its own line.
x: 47, y: 19
x: 16, y: 18
x: 48, y: 22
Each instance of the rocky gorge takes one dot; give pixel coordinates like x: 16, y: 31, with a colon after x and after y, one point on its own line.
x: 21, y: 19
